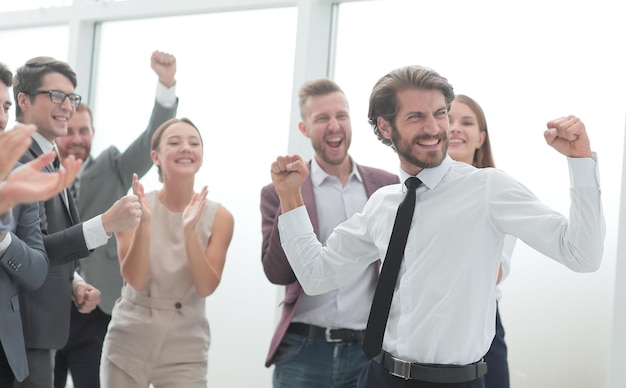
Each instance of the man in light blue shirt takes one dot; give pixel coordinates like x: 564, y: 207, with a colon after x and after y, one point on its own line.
x: 443, y: 307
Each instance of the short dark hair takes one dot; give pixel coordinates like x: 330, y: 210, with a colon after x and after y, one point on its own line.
x: 6, y: 76
x: 318, y: 87
x: 29, y: 77
x: 384, y: 97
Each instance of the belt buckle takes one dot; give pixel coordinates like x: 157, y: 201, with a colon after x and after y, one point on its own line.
x: 328, y: 337
x: 400, y: 368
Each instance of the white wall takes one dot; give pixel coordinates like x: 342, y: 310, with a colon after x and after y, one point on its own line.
x: 525, y: 63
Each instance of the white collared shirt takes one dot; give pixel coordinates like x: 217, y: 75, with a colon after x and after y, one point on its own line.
x: 443, y: 309
x: 346, y: 307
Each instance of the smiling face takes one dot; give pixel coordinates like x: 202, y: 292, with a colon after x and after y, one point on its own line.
x: 326, y: 121
x: 51, y: 119
x: 79, y: 137
x: 465, y: 134
x: 179, y: 153
x: 420, y: 131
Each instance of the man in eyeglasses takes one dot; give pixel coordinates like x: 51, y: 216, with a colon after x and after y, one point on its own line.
x: 23, y: 259
x: 45, y: 96
x: 102, y: 180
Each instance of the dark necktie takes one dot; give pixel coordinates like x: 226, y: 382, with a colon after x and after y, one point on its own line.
x: 56, y: 163
x: 74, y: 191
x: 379, y: 313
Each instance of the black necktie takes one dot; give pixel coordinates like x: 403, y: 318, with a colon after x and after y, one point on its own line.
x: 56, y: 163
x: 377, y: 321
x: 73, y: 190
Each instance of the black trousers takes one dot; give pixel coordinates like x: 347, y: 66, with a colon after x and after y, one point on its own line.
x: 497, y: 363
x: 6, y: 374
x: 81, y: 354
x: 375, y: 376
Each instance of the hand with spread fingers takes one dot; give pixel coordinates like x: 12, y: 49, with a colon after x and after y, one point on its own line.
x: 28, y: 183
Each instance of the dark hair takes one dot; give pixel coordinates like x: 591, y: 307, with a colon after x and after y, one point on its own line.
x: 318, y: 87
x: 6, y: 76
x: 384, y: 97
x: 158, y: 134
x: 29, y: 77
x: 482, y: 156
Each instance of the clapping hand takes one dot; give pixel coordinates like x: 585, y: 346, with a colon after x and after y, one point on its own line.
x: 193, y: 210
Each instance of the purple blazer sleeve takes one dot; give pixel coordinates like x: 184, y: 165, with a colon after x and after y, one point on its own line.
x: 275, y: 264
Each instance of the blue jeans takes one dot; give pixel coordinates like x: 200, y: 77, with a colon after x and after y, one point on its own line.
x: 304, y: 362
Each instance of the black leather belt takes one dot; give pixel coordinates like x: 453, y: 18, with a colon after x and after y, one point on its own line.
x: 327, y: 334
x: 433, y: 373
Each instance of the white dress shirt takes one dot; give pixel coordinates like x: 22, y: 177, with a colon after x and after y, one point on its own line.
x: 443, y: 310
x: 93, y: 229
x: 347, y: 307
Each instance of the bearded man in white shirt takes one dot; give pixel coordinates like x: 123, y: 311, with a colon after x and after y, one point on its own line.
x: 440, y: 284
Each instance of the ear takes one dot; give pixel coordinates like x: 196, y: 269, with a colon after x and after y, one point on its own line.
x: 155, y: 158
x: 483, y: 136
x: 303, y: 128
x: 23, y: 101
x: 384, y: 127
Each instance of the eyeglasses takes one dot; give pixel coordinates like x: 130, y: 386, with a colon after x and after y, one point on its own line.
x: 58, y: 96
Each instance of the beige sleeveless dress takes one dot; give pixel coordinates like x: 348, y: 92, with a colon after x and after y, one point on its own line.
x: 162, y: 328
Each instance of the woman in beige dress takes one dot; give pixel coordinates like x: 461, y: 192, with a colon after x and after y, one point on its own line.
x: 170, y: 262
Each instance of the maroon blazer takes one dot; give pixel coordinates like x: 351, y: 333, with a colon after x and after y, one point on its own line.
x: 275, y: 264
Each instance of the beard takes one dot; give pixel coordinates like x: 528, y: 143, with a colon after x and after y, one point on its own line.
x: 427, y: 159
x: 323, y: 152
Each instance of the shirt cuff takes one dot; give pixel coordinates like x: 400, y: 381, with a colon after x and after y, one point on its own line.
x: 166, y: 96
x: 4, y: 244
x: 6, y: 221
x: 294, y: 223
x: 584, y: 172
x: 95, y: 236
x: 77, y: 279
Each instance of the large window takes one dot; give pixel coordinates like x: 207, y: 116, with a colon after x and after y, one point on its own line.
x: 525, y: 63
x: 18, y: 46
x: 21, y: 5
x: 234, y: 81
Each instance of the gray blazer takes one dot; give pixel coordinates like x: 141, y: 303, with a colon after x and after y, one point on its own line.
x: 103, y: 181
x: 46, y: 310
x: 25, y: 264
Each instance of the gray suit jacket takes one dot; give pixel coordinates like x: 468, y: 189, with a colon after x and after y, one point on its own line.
x: 25, y: 264
x: 46, y: 310
x: 275, y: 263
x: 104, y: 180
